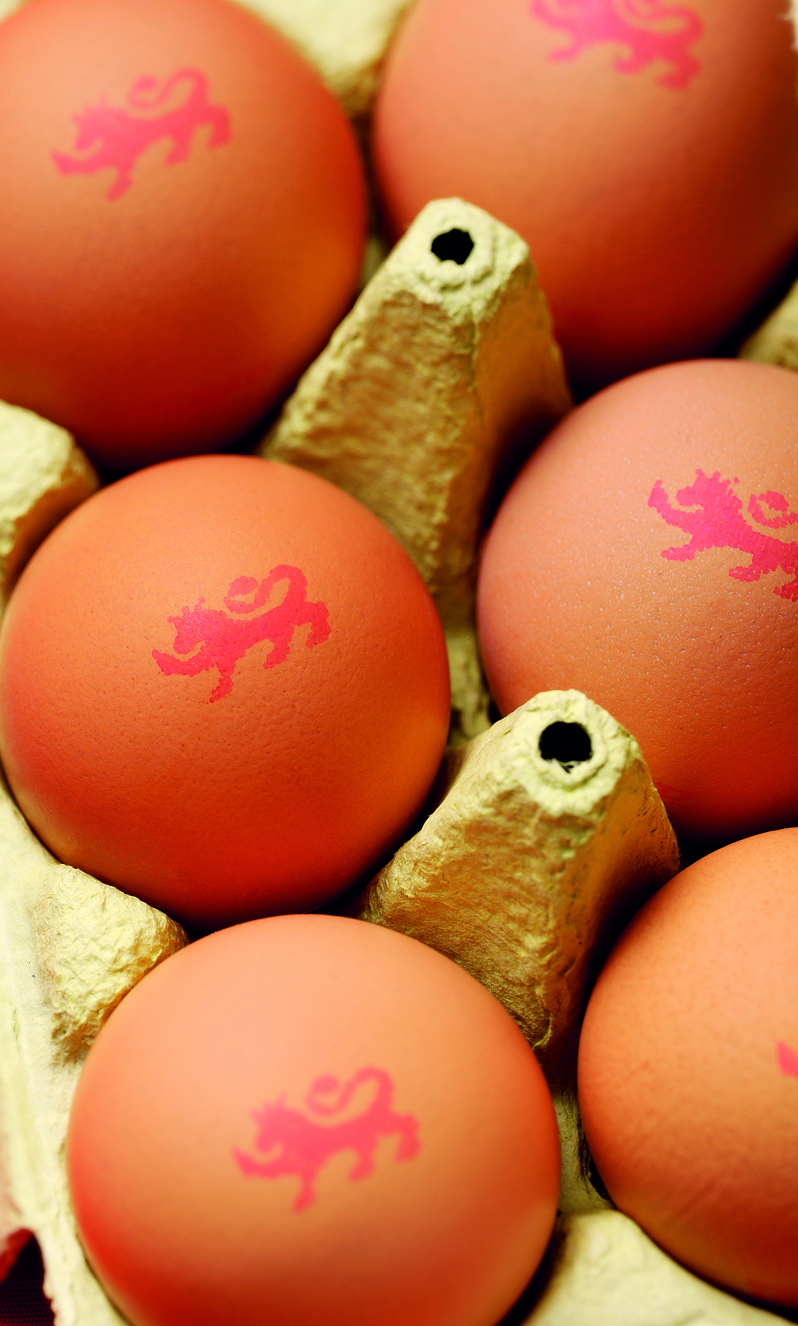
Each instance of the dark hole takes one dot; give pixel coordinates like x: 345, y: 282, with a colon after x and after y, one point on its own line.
x: 453, y: 246
x: 567, y: 743
x: 22, y: 1300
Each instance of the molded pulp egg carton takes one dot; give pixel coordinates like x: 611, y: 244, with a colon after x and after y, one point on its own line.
x: 423, y: 395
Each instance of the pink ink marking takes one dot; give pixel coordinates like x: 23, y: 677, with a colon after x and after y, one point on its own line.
x: 224, y: 640
x: 787, y: 1059
x: 648, y: 29
x: 305, y: 1145
x: 715, y: 520
x: 672, y: 794
x: 121, y: 133
x: 776, y: 502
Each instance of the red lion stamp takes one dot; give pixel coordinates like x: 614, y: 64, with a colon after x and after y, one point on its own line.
x: 119, y: 134
x: 648, y: 29
x: 787, y: 1059
x: 304, y: 1144
x: 714, y: 519
x: 224, y: 640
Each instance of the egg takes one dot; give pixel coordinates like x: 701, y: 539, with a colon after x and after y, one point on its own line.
x: 647, y: 555
x: 182, y: 224
x: 647, y: 152
x: 223, y: 688
x: 312, y: 1119
x: 688, y: 1067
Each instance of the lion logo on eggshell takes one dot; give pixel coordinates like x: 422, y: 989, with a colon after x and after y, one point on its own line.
x: 712, y: 516
x: 302, y: 1144
x: 648, y: 30
x: 787, y: 1059
x: 221, y: 640
x: 120, y: 134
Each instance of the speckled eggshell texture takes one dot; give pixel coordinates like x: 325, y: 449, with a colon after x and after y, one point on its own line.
x: 688, y: 1068
x: 647, y: 153
x: 223, y: 687
x: 312, y: 1119
x: 647, y: 555
x: 182, y: 223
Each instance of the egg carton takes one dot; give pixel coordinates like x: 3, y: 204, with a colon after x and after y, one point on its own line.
x: 528, y: 867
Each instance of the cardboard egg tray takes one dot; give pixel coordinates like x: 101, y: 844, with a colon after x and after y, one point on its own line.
x: 529, y: 866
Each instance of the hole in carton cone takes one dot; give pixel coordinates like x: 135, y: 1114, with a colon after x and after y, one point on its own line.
x: 453, y: 246
x: 567, y: 743
x: 22, y: 1299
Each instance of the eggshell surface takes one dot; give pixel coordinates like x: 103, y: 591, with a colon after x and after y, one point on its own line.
x: 182, y: 224
x: 688, y: 1067
x: 307, y: 1119
x: 647, y: 153
x: 647, y: 555
x: 223, y: 687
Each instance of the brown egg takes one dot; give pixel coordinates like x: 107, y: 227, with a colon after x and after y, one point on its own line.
x: 688, y: 1067
x: 647, y: 555
x: 312, y: 1119
x: 223, y: 687
x: 182, y: 220
x: 647, y: 152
